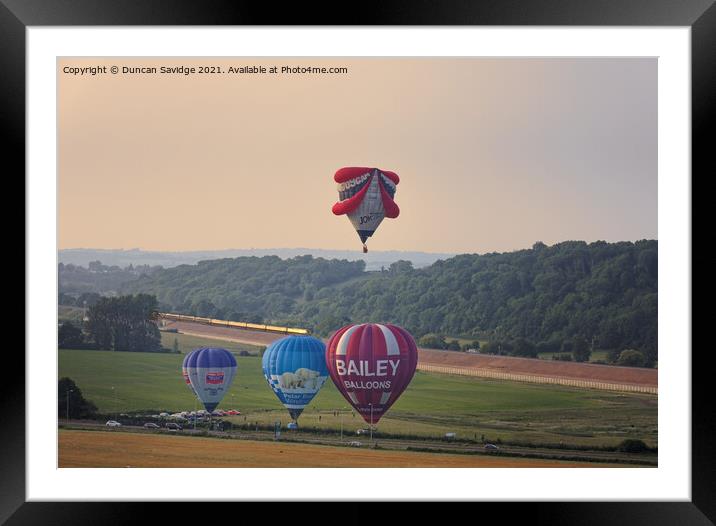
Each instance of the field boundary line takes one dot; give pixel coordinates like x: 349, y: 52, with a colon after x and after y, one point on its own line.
x: 538, y: 379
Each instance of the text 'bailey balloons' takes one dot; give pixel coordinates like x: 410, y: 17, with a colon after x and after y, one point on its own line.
x: 366, y: 197
x: 210, y: 371
x: 295, y: 368
x: 371, y: 365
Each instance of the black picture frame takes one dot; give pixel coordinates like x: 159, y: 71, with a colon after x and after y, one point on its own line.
x: 699, y: 15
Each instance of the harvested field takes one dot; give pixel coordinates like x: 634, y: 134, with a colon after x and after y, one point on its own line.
x: 633, y: 376
x: 530, y: 366
x: 104, y: 449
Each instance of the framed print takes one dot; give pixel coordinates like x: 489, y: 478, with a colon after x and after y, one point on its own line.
x: 503, y: 314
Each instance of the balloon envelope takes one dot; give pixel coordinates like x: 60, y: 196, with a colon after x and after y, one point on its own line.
x: 211, y: 371
x: 185, y: 371
x: 366, y: 197
x: 295, y: 368
x: 371, y: 365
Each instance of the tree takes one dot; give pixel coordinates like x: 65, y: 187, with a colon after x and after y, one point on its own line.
x: 96, y: 266
x: 433, y: 341
x: 524, y: 347
x: 580, y: 350
x: 78, y: 407
x: 546, y: 294
x: 453, y: 345
x: 69, y: 336
x: 400, y: 266
x: 125, y: 323
x: 631, y: 358
x: 175, y: 346
x: 490, y: 348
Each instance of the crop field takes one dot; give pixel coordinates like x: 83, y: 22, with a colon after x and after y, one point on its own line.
x: 83, y: 449
x: 432, y: 405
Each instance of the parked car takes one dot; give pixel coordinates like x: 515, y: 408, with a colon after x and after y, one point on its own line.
x: 113, y: 423
x: 355, y: 443
x: 491, y: 447
x: 362, y: 432
x: 151, y: 425
x: 292, y: 425
x: 173, y: 426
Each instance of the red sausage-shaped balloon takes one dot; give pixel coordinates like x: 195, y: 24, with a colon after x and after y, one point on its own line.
x: 371, y: 365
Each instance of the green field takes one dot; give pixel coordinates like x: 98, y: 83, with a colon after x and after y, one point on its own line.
x: 431, y: 406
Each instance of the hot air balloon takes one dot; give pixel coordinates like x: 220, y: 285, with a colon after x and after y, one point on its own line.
x: 210, y: 372
x: 185, y: 371
x: 371, y: 365
x: 366, y: 197
x: 295, y: 368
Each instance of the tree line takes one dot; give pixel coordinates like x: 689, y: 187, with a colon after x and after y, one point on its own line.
x: 570, y: 298
x: 124, y: 323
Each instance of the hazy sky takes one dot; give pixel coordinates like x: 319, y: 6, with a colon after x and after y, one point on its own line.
x: 492, y: 154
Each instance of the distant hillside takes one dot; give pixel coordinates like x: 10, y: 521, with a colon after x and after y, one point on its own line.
x: 605, y: 293
x: 374, y: 260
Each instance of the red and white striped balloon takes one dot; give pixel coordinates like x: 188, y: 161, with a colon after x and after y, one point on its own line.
x: 371, y: 365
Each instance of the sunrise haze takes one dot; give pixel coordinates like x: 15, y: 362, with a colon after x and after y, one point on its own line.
x: 492, y: 154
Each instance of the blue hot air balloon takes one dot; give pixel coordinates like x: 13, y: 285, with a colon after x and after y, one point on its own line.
x: 295, y: 368
x: 185, y: 371
x: 210, y: 371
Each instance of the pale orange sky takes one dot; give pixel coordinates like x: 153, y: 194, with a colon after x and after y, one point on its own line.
x: 493, y: 154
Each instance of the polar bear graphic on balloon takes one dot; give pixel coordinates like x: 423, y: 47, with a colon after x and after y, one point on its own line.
x: 302, y: 378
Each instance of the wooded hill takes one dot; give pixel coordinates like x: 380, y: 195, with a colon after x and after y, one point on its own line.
x: 604, y: 293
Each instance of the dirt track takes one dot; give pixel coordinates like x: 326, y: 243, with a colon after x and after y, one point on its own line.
x: 84, y: 449
x: 505, y: 364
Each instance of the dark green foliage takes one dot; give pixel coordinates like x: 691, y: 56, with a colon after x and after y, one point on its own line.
x: 432, y: 341
x: 523, y: 347
x: 475, y: 344
x: 400, y: 267
x: 631, y: 445
x: 125, y: 324
x: 453, y: 345
x: 69, y: 337
x: 78, y: 407
x: 580, y: 349
x: 566, y: 357
x: 631, y: 358
x: 253, y: 289
x: 603, y: 293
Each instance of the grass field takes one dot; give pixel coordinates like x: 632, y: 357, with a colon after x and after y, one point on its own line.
x: 82, y: 449
x: 431, y: 406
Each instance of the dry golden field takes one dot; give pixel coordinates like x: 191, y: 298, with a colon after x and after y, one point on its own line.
x: 83, y: 449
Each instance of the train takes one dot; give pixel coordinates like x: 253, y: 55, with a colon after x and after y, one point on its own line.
x: 231, y: 324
